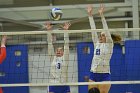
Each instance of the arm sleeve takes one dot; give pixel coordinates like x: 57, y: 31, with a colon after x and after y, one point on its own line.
x: 2, y: 54
x: 94, y: 33
x: 105, y: 26
x: 50, y: 47
x: 66, y: 47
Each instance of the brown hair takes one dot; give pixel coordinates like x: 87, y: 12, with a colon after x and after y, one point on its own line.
x: 94, y: 90
x: 116, y: 38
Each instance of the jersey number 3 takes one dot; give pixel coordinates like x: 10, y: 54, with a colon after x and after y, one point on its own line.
x: 97, y: 51
x: 58, y: 65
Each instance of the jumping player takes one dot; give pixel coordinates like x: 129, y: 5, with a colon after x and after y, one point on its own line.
x: 103, y: 49
x: 59, y: 62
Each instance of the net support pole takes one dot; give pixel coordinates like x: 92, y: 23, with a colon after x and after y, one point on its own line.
x: 135, y: 11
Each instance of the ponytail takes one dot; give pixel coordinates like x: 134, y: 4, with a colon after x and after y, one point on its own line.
x: 116, y: 38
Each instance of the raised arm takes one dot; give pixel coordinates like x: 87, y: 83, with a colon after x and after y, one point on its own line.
x: 92, y: 24
x: 50, y: 42
x: 66, y: 42
x: 3, y: 49
x: 105, y: 26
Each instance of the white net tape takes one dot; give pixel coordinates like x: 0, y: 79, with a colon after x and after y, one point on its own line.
x: 70, y: 84
x: 69, y: 31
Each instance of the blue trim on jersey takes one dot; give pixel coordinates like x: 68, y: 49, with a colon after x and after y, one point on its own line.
x: 97, y: 77
x: 56, y: 8
x: 59, y: 89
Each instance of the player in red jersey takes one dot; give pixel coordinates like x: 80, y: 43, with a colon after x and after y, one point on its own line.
x: 2, y: 52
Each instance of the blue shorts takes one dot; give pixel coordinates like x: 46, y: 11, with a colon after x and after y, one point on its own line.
x: 97, y: 77
x: 59, y: 89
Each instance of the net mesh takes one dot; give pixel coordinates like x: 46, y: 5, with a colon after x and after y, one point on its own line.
x: 28, y: 60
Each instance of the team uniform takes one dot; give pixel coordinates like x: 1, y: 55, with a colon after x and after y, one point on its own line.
x: 2, y: 57
x: 59, y: 67
x: 2, y: 54
x: 100, y: 68
x: 58, y: 70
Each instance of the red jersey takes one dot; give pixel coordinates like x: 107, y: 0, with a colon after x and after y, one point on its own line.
x: 2, y: 54
x: 2, y: 57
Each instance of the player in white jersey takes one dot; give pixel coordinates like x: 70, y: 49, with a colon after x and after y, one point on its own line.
x: 59, y: 62
x: 103, y: 49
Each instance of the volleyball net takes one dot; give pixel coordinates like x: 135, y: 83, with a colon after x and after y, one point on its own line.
x: 28, y: 63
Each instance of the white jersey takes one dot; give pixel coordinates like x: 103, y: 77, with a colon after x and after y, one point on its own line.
x: 59, y: 65
x: 102, y: 56
x: 58, y: 71
x: 102, y: 51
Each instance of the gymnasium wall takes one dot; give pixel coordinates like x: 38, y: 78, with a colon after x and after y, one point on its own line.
x: 40, y: 67
x: 125, y: 66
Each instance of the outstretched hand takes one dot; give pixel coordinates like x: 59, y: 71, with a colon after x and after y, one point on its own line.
x: 48, y: 26
x: 101, y: 10
x: 3, y: 41
x: 89, y: 10
x: 66, y: 25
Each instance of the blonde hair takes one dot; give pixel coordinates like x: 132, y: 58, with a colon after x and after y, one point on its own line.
x: 61, y: 48
x: 116, y: 38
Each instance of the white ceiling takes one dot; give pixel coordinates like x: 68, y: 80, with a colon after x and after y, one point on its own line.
x: 40, y: 14
x: 6, y: 2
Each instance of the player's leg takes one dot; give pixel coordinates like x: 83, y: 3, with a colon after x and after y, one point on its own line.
x: 92, y: 86
x: 92, y: 78
x: 105, y: 88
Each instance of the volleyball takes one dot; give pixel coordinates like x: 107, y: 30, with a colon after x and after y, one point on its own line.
x: 56, y: 13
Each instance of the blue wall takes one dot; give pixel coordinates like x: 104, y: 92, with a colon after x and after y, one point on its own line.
x: 132, y: 60
x: 123, y: 67
x: 84, y: 63
x: 118, y: 69
x: 15, y: 69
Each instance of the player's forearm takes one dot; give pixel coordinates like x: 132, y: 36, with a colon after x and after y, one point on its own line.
x: 50, y: 45
x: 66, y: 46
x: 49, y: 37
x: 3, y: 41
x: 66, y: 42
x: 92, y: 22
x: 92, y: 25
x: 66, y: 38
x: 105, y: 26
